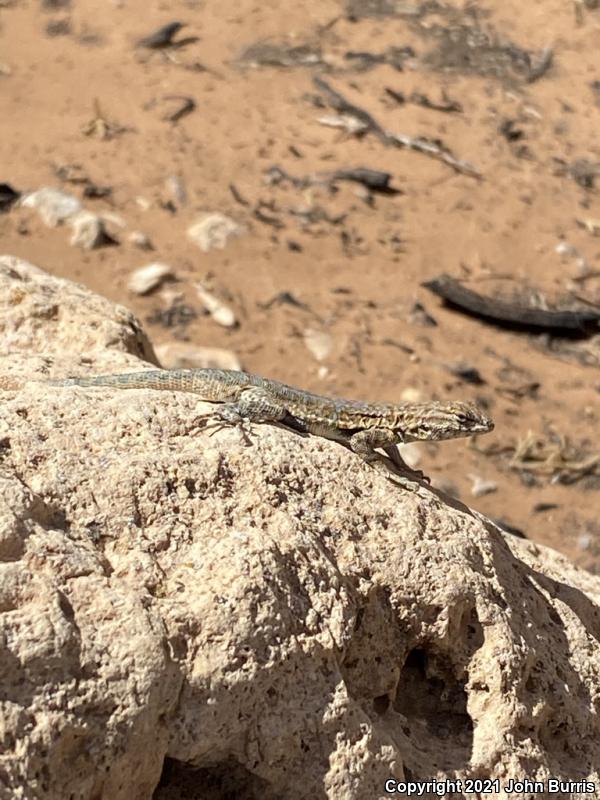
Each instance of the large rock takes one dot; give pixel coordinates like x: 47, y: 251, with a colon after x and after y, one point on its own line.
x: 45, y: 316
x: 263, y: 620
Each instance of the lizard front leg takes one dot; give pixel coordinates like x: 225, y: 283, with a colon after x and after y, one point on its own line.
x: 393, y: 453
x: 365, y: 442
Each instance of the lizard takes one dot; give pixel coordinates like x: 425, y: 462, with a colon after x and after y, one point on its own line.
x: 361, y: 426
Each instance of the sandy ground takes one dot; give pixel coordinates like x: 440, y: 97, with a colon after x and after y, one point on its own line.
x: 81, y: 106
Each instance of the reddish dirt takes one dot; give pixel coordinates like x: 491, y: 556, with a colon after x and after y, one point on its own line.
x: 358, y: 279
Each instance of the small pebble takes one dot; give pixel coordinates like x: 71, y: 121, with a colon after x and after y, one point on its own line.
x: 181, y: 355
x: 411, y: 395
x: 319, y: 343
x: 140, y: 240
x: 584, y: 542
x: 213, y: 231
x: 150, y: 277
x: 53, y: 205
x: 89, y: 231
x: 482, y: 487
x: 566, y: 249
x: 222, y: 314
x: 176, y: 190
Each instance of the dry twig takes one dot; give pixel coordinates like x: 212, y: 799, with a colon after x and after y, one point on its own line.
x: 419, y: 144
x: 557, y: 459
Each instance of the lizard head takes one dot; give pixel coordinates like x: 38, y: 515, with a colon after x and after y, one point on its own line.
x: 437, y: 421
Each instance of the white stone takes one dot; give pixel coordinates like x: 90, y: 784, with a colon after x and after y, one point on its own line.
x: 221, y: 313
x: 213, y: 231
x: 482, y: 487
x: 176, y: 190
x: 53, y: 205
x: 141, y: 240
x: 184, y: 355
x: 88, y: 230
x: 319, y: 343
x: 146, y: 279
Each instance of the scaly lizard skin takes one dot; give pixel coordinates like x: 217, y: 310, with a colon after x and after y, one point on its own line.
x: 360, y: 426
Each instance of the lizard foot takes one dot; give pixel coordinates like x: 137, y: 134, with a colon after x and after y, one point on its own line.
x: 404, y: 482
x: 403, y: 476
x: 215, y: 425
x: 419, y: 474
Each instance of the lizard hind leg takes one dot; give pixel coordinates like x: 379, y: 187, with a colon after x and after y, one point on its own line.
x: 254, y: 404
x: 226, y: 416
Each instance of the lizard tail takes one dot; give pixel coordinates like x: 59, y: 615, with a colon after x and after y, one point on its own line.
x: 132, y: 380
